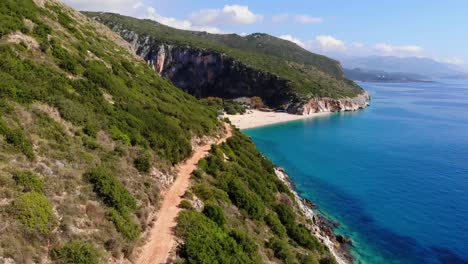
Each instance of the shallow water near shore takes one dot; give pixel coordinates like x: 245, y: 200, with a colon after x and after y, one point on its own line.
x: 394, y: 175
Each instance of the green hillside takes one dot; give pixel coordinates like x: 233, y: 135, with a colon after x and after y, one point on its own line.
x: 82, y: 122
x: 87, y: 134
x: 310, y: 74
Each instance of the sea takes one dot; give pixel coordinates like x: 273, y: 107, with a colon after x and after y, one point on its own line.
x: 394, y: 175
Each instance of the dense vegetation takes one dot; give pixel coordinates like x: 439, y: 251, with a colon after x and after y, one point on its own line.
x: 310, y: 74
x: 230, y: 107
x: 82, y: 124
x: 249, y: 215
x: 85, y: 128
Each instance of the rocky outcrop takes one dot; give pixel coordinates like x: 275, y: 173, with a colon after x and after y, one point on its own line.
x: 204, y: 73
x: 326, y: 104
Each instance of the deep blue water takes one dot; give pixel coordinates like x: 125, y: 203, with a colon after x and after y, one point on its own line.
x: 394, y: 175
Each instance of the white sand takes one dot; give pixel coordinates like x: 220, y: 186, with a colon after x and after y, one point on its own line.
x: 255, y: 118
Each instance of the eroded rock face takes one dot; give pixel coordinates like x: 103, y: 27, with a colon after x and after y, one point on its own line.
x: 204, y: 73
x: 326, y: 104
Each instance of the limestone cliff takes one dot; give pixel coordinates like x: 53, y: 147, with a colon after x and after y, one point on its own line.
x: 203, y: 73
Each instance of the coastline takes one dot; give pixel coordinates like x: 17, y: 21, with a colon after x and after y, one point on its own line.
x: 256, y: 118
x: 322, y: 228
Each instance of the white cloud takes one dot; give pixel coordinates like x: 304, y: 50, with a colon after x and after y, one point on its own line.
x: 180, y: 24
x: 389, y: 49
x: 453, y: 60
x: 305, y: 19
x: 280, y: 18
x: 229, y: 15
x: 117, y: 6
x: 302, y: 19
x: 138, y: 5
x: 328, y: 43
x: 294, y: 40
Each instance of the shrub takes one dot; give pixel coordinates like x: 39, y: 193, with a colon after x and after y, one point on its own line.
x: 124, y: 224
x: 246, y: 199
x: 184, y: 204
x: 77, y: 252
x: 29, y: 181
x: 328, y: 260
x: 206, y: 242
x: 275, y: 224
x: 144, y: 162
x: 119, y: 135
x: 112, y: 192
x: 18, y: 139
x: 35, y: 212
x: 303, y: 237
x: 215, y: 213
x: 307, y: 259
x: 285, y: 214
x: 282, y: 251
x: 246, y: 242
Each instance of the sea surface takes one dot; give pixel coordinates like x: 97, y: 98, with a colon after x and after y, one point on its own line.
x: 395, y: 175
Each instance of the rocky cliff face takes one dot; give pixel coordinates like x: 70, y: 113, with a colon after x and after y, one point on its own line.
x: 205, y: 73
x: 326, y: 104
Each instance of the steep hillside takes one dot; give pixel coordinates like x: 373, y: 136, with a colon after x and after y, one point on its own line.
x: 229, y: 66
x: 244, y: 213
x: 88, y: 136
x: 89, y: 139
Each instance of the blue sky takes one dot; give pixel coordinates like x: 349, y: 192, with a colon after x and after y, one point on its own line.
x: 432, y: 28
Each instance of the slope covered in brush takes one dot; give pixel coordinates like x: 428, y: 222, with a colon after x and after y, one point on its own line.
x: 84, y: 125
x: 311, y: 75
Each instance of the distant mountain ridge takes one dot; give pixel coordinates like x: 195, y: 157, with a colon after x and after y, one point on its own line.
x: 410, y: 66
x: 362, y: 75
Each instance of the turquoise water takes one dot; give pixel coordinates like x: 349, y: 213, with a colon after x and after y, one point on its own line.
x: 394, y: 175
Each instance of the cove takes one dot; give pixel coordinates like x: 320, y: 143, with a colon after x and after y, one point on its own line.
x: 395, y: 175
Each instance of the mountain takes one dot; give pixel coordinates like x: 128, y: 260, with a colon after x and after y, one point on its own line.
x: 411, y: 65
x: 283, y: 74
x: 361, y: 75
x: 91, y: 140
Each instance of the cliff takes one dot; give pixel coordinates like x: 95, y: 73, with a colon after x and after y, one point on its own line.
x: 203, y: 73
x: 211, y: 65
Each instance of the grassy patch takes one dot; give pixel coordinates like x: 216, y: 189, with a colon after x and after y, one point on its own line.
x: 35, y: 213
x: 77, y: 252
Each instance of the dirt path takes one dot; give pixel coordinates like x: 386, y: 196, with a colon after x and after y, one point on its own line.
x: 161, y: 238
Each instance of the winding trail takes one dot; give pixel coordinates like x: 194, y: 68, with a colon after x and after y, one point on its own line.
x: 161, y: 237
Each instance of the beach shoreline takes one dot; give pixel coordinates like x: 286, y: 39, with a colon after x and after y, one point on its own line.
x: 256, y: 118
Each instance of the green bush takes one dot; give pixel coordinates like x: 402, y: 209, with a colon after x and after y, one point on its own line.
x: 184, y: 204
x: 206, y: 242
x: 307, y: 259
x: 77, y: 252
x: 285, y: 214
x: 247, y: 244
x: 275, y: 225
x: 18, y: 139
x: 124, y: 224
x: 215, y: 213
x: 111, y: 191
x: 35, y: 212
x: 246, y: 199
x: 144, y: 162
x: 303, y: 237
x: 63, y: 58
x: 29, y: 181
x: 282, y: 251
x: 328, y: 260
x: 119, y: 135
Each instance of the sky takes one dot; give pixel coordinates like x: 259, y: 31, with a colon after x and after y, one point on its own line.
x: 405, y: 28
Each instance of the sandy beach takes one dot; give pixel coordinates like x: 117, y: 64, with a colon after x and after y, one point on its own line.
x: 255, y: 118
